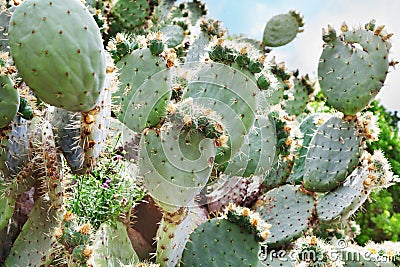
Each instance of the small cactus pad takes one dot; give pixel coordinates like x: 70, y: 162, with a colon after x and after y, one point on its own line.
x: 131, y: 14
x: 144, y: 91
x: 220, y: 242
x: 282, y: 29
x: 9, y: 100
x: 58, y: 51
x: 175, y: 165
x: 258, y: 151
x: 351, y: 77
x: 172, y: 235
x: 173, y: 35
x: 112, y: 247
x: 288, y: 210
x: 341, y: 203
x: 35, y: 238
x: 232, y: 95
x: 7, y: 204
x: 333, y: 153
x: 278, y: 174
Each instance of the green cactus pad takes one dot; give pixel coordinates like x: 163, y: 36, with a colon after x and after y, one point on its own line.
x: 333, y: 153
x: 341, y: 203
x: 232, y: 95
x: 258, y: 151
x: 131, y: 14
x: 35, y: 238
x: 288, y: 210
x: 219, y: 242
x: 145, y: 90
x: 9, y: 100
x: 112, y: 247
x: 278, y: 174
x: 282, y: 29
x: 172, y: 235
x: 58, y: 51
x: 301, y: 92
x: 173, y: 35
x: 308, y: 127
x: 351, y: 77
x: 7, y: 204
x: 175, y: 165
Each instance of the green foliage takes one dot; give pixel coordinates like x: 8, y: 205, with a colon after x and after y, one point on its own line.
x: 381, y: 219
x: 104, y: 194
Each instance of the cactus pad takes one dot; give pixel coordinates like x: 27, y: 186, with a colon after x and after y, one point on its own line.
x: 288, y: 209
x: 333, y: 153
x: 112, y: 246
x: 58, y: 51
x: 9, y: 100
x: 258, y: 151
x: 175, y: 165
x: 144, y: 91
x: 282, y: 29
x: 351, y: 77
x: 220, y: 242
x: 232, y: 95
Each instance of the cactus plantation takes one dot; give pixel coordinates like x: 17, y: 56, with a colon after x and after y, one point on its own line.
x: 139, y: 133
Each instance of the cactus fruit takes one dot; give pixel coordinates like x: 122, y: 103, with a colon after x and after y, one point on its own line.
x: 351, y: 77
x: 333, y: 153
x: 9, y: 100
x: 64, y: 63
x: 282, y: 29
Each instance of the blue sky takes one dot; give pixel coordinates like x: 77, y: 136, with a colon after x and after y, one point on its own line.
x: 249, y: 17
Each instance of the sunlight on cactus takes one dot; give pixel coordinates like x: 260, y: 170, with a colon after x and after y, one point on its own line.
x: 140, y: 133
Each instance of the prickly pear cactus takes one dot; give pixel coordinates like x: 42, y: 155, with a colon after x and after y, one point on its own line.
x: 58, y: 51
x: 112, y: 247
x: 232, y: 240
x: 9, y: 100
x: 36, y: 236
x: 282, y: 29
x: 333, y: 154
x: 288, y: 221
x: 351, y: 77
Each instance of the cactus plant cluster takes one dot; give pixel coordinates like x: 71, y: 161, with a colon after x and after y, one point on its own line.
x: 107, y: 101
